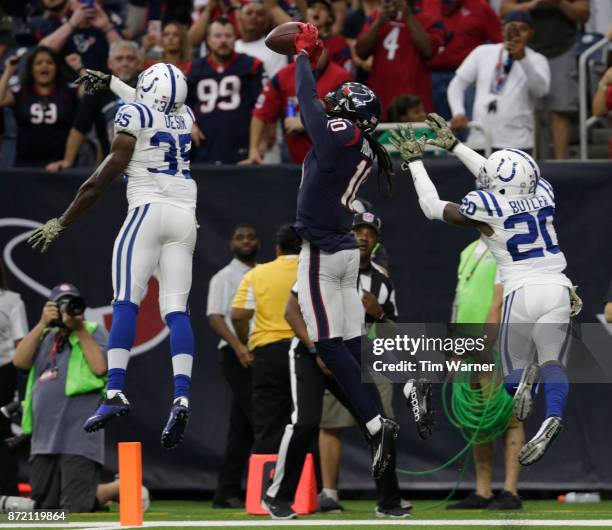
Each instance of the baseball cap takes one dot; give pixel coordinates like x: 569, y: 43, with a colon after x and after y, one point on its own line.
x: 367, y: 219
x: 519, y: 15
x: 63, y: 289
x: 326, y: 3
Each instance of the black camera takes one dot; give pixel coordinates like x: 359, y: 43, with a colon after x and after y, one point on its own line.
x: 73, y: 306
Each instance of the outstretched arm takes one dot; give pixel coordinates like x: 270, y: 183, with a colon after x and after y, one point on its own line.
x: 123, y: 90
x: 89, y: 192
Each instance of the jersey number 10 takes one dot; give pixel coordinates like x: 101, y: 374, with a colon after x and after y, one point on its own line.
x: 170, y: 156
x: 533, y: 222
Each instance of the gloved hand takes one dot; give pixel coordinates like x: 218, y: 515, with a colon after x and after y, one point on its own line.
x: 308, y: 42
x: 44, y: 235
x: 445, y: 139
x: 409, y: 148
x: 575, y: 302
x: 94, y: 81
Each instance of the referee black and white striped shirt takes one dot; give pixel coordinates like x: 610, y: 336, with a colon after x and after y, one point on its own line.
x: 375, y: 281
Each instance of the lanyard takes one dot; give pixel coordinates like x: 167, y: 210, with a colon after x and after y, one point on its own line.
x: 469, y: 276
x: 502, y: 71
x: 58, y: 345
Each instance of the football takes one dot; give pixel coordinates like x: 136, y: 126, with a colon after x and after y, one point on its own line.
x: 282, y: 38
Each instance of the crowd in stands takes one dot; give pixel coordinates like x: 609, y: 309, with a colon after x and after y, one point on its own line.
x: 509, y: 65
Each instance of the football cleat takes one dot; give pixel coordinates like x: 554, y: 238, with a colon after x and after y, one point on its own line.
x: 174, y: 431
x: 278, y: 509
x: 418, y: 394
x: 535, y: 448
x: 382, y: 445
x: 110, y: 408
x: 397, y: 512
x: 326, y: 504
x: 523, y: 397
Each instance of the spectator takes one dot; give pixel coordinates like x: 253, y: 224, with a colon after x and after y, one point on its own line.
x: 65, y: 356
x: 71, y: 27
x: 353, y: 27
x: 236, y: 360
x: 223, y: 89
x: 509, y: 77
x: 406, y: 108
x: 555, y: 24
x: 43, y: 105
x: 263, y: 293
x: 320, y: 13
x: 99, y: 109
x: 255, y: 23
x: 608, y: 306
x: 468, y: 23
x: 175, y: 45
x: 13, y: 327
x: 278, y: 100
x: 213, y: 10
x: 602, y: 101
x: 378, y: 297
x: 402, y: 36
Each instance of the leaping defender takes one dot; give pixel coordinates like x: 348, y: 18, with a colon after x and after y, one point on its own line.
x: 514, y: 208
x: 151, y: 147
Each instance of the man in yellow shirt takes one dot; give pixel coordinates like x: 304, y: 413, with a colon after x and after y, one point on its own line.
x: 263, y: 294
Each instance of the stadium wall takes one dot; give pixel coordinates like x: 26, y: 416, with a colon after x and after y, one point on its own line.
x: 423, y: 259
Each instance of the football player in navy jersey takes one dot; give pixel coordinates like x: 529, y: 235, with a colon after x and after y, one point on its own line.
x: 223, y: 89
x: 340, y: 161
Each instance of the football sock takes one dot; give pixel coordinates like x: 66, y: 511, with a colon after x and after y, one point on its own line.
x: 120, y: 342
x: 347, y: 372
x: 330, y: 493
x: 374, y: 425
x: 182, y: 349
x: 556, y: 388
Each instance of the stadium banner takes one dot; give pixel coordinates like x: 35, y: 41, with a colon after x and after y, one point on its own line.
x: 423, y: 257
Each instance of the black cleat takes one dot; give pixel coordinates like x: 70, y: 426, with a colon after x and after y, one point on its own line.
x: 506, y: 501
x: 278, y: 509
x: 472, y: 502
x: 116, y: 406
x: 382, y: 444
x: 418, y: 394
x: 535, y: 448
x: 397, y: 512
x: 326, y: 504
x: 174, y: 431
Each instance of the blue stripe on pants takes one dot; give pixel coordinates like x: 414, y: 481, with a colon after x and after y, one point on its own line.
x: 128, y: 261
x: 315, y: 293
x: 120, y: 249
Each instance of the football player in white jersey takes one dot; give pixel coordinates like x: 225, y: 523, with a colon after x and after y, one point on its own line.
x: 513, y: 207
x: 151, y: 148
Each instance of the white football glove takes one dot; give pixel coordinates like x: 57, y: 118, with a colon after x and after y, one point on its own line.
x: 45, y: 234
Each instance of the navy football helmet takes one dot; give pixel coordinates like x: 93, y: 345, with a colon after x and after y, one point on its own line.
x: 354, y: 102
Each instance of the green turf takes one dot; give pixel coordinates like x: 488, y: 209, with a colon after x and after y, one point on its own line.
x: 355, y: 510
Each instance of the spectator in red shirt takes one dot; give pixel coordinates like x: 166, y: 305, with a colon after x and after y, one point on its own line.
x: 468, y: 23
x: 278, y: 100
x: 602, y: 102
x: 320, y: 13
x: 402, y: 37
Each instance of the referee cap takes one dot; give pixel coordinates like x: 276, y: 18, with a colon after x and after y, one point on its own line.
x: 367, y: 219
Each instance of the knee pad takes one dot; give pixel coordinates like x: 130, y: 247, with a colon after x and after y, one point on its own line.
x: 181, y: 334
x: 123, y: 329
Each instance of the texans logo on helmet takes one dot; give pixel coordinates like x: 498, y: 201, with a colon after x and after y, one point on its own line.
x: 361, y: 95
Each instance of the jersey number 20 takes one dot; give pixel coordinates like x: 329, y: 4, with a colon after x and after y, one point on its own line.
x: 170, y: 157
x: 533, y: 222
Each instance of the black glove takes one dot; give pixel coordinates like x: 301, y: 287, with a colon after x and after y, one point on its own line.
x: 94, y: 81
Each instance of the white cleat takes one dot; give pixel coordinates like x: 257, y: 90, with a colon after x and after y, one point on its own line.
x: 535, y: 448
x: 523, y: 398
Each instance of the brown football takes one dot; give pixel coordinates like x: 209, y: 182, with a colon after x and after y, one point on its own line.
x: 282, y: 38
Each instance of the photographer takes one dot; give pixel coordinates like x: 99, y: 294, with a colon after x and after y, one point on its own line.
x: 65, y: 356
x: 13, y: 327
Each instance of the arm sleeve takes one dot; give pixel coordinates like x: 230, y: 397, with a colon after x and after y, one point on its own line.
x: 268, y: 106
x: 244, y: 297
x: 470, y: 158
x: 430, y: 202
x: 19, y: 321
x: 218, y: 302
x: 311, y: 109
x: 466, y: 75
x: 538, y: 75
x: 123, y: 90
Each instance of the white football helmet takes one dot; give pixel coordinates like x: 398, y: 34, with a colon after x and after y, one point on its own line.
x: 509, y: 172
x: 162, y: 87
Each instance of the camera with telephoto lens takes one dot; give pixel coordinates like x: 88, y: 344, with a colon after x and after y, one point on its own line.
x: 73, y: 306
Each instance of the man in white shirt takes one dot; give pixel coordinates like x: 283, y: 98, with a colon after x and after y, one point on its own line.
x: 509, y: 78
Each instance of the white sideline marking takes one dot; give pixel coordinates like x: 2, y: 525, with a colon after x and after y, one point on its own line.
x: 330, y: 522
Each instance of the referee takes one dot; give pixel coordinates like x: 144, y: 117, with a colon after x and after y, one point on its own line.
x: 263, y: 294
